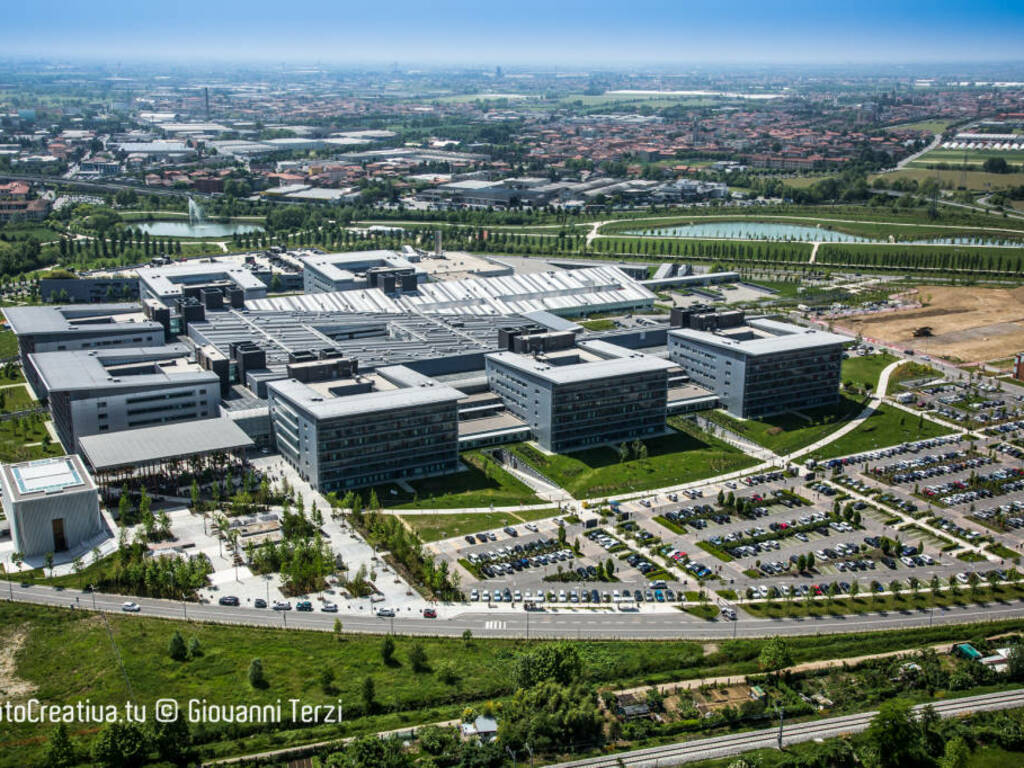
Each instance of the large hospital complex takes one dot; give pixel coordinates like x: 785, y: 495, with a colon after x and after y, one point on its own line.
x: 380, y: 366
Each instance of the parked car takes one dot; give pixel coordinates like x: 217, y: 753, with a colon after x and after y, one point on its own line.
x: 429, y: 613
x: 386, y: 613
x: 282, y: 605
x: 228, y: 600
x: 329, y: 608
x: 304, y: 605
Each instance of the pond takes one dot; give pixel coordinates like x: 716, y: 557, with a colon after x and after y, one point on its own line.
x: 200, y: 229
x: 767, y: 230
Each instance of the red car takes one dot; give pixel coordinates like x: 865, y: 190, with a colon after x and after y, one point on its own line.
x: 429, y: 613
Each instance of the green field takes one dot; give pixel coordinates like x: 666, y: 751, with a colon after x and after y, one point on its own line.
x: 954, y: 179
x: 675, y: 458
x: 8, y: 344
x: 484, y: 483
x: 437, y: 527
x: 865, y: 369
x: 886, y: 426
x: 788, y: 432
x: 929, y: 126
x: 16, y: 399
x: 62, y: 656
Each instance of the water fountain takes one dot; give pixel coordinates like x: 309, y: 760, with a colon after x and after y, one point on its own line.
x: 195, y: 213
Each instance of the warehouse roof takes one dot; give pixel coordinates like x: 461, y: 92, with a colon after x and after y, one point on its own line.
x: 161, y: 443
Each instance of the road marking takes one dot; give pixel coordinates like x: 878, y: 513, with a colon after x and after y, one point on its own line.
x: 495, y: 625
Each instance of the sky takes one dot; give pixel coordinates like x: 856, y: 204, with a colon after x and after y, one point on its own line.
x: 594, y: 33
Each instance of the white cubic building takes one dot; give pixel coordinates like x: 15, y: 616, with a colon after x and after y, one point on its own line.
x: 51, y: 505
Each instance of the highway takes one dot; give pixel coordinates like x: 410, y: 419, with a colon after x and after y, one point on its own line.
x: 735, y: 744
x: 583, y: 624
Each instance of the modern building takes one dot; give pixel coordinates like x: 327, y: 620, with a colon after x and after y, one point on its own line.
x: 97, y: 326
x: 577, y: 398
x: 222, y: 282
x: 363, y: 430
x: 98, y: 391
x: 390, y: 271
x: 51, y: 505
x: 758, y: 367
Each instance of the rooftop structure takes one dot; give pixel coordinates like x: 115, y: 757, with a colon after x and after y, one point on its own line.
x: 171, y: 282
x: 363, y: 269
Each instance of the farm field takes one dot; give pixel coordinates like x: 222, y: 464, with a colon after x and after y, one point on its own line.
x: 967, y: 323
x: 978, y: 180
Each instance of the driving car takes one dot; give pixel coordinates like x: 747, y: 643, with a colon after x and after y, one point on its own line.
x: 130, y: 607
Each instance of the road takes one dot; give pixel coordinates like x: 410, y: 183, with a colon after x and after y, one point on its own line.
x: 737, y: 743
x: 583, y: 624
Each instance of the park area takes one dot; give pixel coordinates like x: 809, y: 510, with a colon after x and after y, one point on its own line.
x: 965, y: 323
x: 682, y: 455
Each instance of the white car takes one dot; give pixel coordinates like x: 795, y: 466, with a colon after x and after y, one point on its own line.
x: 962, y: 577
x: 130, y: 607
x: 531, y: 527
x: 329, y: 608
x: 386, y: 613
x: 282, y: 605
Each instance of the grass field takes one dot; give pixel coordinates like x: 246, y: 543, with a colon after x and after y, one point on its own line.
x: 16, y: 399
x: 977, y: 180
x: 8, y: 344
x: 866, y: 369
x: 678, y: 457
x: 601, y: 324
x: 482, y: 484
x: 906, y: 602
x: 437, y: 527
x: 928, y: 126
x: 62, y: 656
x: 790, y: 431
x: 886, y: 426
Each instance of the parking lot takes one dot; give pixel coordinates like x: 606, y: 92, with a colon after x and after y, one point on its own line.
x: 969, y: 405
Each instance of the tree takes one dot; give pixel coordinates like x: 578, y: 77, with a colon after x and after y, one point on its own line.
x: 327, y: 681
x: 195, y: 650
x: 176, y: 647
x: 337, y: 629
x: 49, y: 562
x: 467, y: 636
x: 256, y: 676
x: 956, y: 755
x: 387, y: 649
x: 418, y: 658
x: 119, y: 745
x: 60, y: 752
x: 1015, y: 662
x: 369, y: 695
x: 895, y: 736
x: 774, y: 655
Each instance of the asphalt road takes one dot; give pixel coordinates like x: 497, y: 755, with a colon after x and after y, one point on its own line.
x: 563, y: 623
x: 734, y: 744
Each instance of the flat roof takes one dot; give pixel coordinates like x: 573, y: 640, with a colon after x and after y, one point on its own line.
x: 636, y: 362
x: 93, y: 369
x: 775, y: 337
x: 101, y: 318
x: 316, y: 404
x: 46, y: 477
x: 168, y: 280
x: 166, y: 441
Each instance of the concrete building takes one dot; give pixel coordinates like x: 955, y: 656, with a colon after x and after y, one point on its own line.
x: 576, y: 398
x: 110, y: 390
x: 362, y: 430
x: 758, y: 367
x: 51, y: 505
x: 390, y: 271
x: 222, y: 282
x: 97, y: 326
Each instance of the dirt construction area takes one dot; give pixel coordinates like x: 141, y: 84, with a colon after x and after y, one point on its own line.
x: 968, y: 323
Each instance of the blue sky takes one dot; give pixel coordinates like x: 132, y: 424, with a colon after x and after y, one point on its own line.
x: 519, y: 32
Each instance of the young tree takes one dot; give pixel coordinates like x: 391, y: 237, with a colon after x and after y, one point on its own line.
x: 60, y: 752
x: 387, y: 649
x: 176, y: 647
x: 369, y: 695
x: 256, y: 677
x: 774, y: 655
x: 418, y: 658
x: 467, y: 636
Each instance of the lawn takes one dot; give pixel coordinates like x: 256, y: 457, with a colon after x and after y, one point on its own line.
x: 437, y: 527
x: 66, y: 656
x: 601, y: 324
x: 866, y: 369
x: 865, y: 603
x: 8, y: 344
x: 886, y: 426
x: 13, y: 399
x: 678, y: 457
x: 16, y: 434
x: 954, y: 179
x: 484, y: 483
x: 788, y: 432
x: 930, y: 126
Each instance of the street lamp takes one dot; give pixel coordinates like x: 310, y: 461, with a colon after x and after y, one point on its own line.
x: 513, y: 753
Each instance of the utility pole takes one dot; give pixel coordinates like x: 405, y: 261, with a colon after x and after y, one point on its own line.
x: 781, y: 711
x: 530, y: 750
x: 513, y: 753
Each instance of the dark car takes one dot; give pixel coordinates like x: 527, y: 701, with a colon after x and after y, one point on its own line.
x: 259, y: 602
x: 471, y: 539
x: 304, y: 605
x: 228, y: 600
